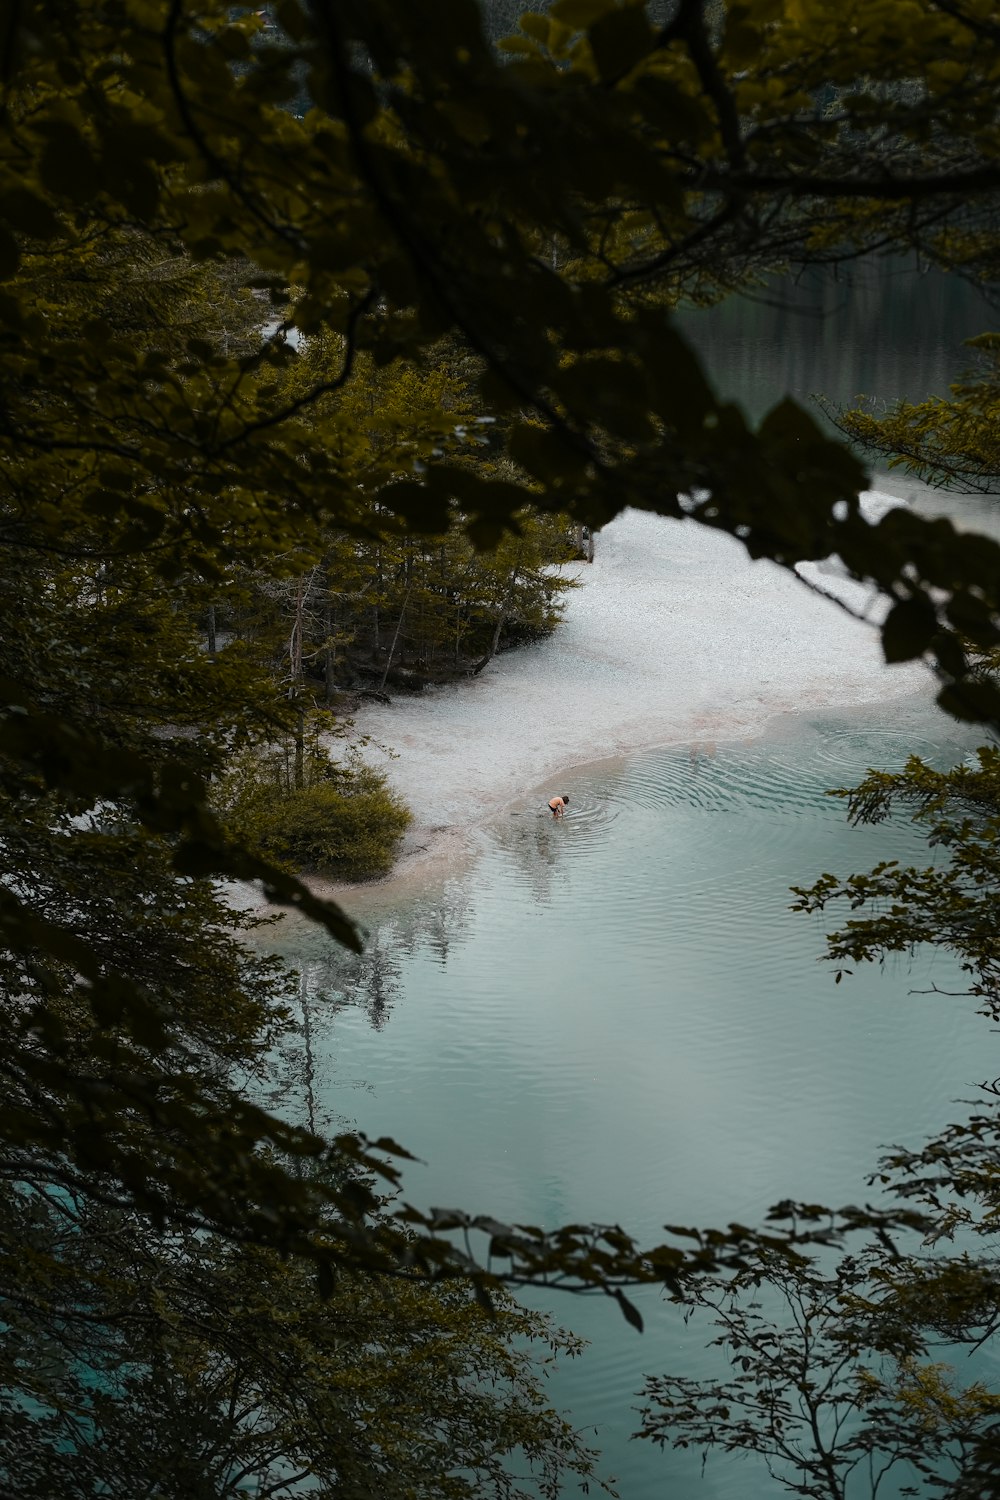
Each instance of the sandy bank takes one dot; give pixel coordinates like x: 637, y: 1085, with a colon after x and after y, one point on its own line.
x: 675, y: 636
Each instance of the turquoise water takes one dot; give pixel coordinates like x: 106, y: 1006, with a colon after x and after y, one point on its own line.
x: 616, y: 1017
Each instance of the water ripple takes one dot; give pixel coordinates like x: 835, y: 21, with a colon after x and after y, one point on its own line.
x: 618, y: 1019
x: 881, y: 749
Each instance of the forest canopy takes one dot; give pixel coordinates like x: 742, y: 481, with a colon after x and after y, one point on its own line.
x: 319, y: 315
x: 220, y: 225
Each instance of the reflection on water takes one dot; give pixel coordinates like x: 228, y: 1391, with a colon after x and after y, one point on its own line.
x: 614, y: 1016
x: 880, y: 328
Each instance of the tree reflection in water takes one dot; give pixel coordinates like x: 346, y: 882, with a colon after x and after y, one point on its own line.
x: 328, y: 981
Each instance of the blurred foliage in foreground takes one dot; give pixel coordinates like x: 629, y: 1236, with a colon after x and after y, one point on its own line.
x: 452, y: 232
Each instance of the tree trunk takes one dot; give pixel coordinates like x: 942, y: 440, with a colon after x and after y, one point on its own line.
x: 295, y: 639
x: 395, y: 639
x: 501, y: 621
x: 211, y: 631
x: 376, y: 623
x: 300, y: 750
x: 310, y: 1067
x: 329, y: 670
x: 493, y: 648
x: 295, y: 687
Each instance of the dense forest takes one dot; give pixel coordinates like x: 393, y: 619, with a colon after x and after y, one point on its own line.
x: 326, y: 332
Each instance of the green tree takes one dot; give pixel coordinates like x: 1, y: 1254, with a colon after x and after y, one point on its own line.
x: 174, y: 1364
x: 829, y: 1383
x: 383, y: 182
x: 951, y: 903
x: 947, y: 440
x: 653, y: 159
x: 542, y: 209
x: 161, y: 447
x: 854, y: 1370
x: 337, y: 818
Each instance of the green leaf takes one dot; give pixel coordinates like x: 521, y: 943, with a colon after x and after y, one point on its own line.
x: 632, y: 1313
x: 549, y: 455
x: 788, y: 424
x: 519, y: 46
x: 27, y: 213
x: 67, y: 167
x: 580, y: 13
x: 908, y: 629
x: 972, y: 700
x: 535, y: 26
x: 292, y: 19
x: 10, y: 255
x: 619, y: 40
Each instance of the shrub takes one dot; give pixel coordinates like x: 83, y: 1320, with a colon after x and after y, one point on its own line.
x: 346, y: 820
x: 349, y: 826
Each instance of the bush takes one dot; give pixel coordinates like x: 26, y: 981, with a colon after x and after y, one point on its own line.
x: 344, y: 827
x: 346, y: 821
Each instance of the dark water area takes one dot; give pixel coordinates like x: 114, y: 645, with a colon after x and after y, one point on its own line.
x: 879, y: 330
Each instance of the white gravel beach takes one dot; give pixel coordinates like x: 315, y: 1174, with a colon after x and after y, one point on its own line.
x: 674, y: 637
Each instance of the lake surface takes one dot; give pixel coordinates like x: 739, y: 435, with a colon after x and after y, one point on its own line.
x: 617, y: 1018
x: 880, y: 330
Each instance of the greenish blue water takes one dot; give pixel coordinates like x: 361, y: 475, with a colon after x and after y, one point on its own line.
x: 616, y: 1017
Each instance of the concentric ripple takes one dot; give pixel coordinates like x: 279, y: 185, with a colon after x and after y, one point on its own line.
x: 683, y: 848
x: 880, y: 750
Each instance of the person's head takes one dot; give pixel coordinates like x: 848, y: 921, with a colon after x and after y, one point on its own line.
x: 563, y: 796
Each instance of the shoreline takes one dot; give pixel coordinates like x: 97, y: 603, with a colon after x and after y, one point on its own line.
x: 675, y: 638
x: 434, y: 855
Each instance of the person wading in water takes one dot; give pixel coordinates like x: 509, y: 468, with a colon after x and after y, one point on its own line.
x: 557, y: 806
